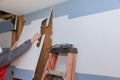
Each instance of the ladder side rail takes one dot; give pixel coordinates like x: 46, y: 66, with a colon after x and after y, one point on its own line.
x: 70, y: 70
x: 50, y: 65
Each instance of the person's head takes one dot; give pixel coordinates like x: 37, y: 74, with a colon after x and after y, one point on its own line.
x: 1, y: 50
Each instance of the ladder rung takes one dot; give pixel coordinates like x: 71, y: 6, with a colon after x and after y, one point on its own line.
x: 56, y: 73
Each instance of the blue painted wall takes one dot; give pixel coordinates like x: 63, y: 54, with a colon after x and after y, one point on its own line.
x: 77, y: 8
x: 5, y: 26
x: 81, y: 76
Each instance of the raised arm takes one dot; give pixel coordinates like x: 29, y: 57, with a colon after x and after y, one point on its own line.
x: 13, y: 54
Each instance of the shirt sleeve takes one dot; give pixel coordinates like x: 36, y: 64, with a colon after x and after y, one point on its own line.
x: 9, y: 56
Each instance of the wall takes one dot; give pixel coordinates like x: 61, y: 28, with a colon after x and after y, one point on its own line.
x: 5, y: 26
x: 5, y: 33
x: 93, y: 27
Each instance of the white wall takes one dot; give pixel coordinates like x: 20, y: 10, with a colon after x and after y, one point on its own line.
x: 97, y: 38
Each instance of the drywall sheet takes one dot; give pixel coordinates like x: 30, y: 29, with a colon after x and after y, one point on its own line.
x: 29, y: 60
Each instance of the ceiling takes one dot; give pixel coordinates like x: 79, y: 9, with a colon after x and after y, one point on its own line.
x: 21, y: 7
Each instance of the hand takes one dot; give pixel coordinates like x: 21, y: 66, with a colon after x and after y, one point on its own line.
x: 35, y: 37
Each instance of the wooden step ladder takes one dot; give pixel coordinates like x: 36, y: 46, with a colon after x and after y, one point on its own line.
x: 56, y: 50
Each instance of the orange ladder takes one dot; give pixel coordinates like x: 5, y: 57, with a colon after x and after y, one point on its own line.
x: 56, y: 50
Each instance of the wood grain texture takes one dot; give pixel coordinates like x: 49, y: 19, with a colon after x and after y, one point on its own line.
x: 47, y: 30
x: 16, y: 34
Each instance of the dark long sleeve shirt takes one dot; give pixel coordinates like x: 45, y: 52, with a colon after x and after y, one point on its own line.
x: 6, y: 57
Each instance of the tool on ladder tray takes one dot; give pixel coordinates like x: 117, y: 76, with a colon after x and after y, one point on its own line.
x: 49, y: 70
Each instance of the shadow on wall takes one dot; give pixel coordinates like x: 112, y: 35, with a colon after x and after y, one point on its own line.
x: 75, y: 8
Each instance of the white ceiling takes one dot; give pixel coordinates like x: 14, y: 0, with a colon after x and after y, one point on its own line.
x: 20, y: 7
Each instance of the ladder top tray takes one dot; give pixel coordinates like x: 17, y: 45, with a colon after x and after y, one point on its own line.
x: 63, y: 48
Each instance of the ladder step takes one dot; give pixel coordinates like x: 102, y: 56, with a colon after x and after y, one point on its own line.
x: 56, y: 73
